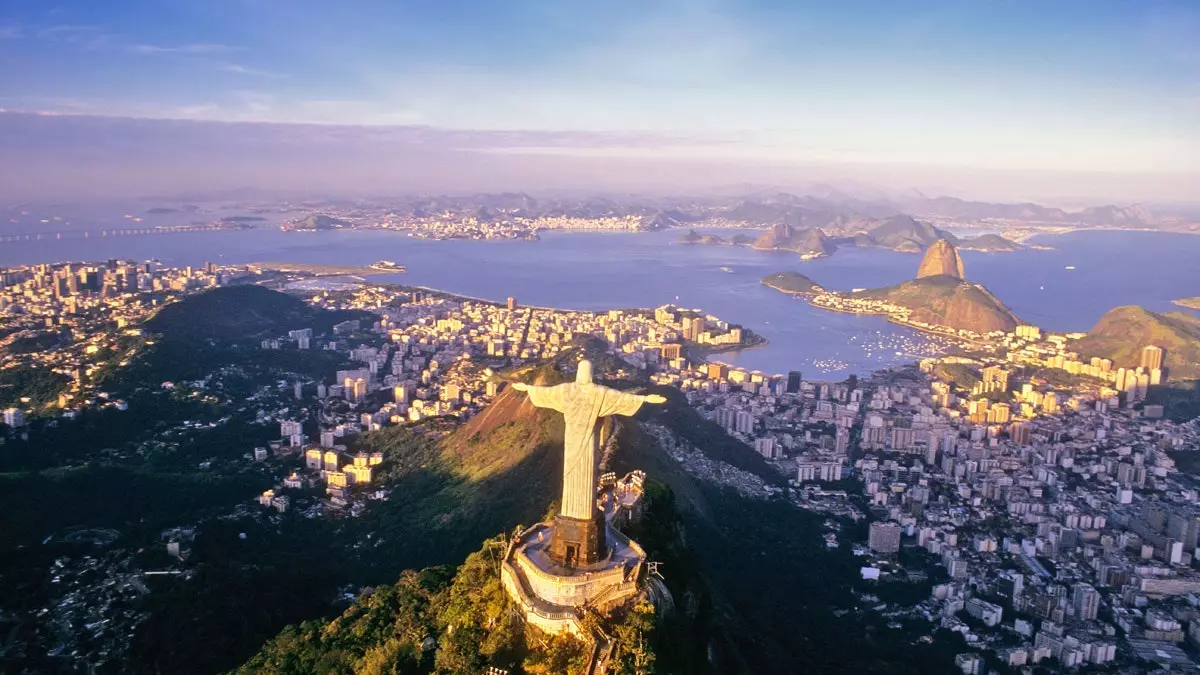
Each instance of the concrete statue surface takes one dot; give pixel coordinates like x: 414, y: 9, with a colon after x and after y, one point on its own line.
x: 583, y: 404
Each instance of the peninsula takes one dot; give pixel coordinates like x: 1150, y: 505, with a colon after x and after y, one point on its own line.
x: 1189, y: 303
x: 939, y: 300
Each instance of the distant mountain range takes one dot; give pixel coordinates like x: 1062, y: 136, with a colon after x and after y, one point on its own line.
x: 1098, y: 216
x: 898, y: 233
x: 836, y: 212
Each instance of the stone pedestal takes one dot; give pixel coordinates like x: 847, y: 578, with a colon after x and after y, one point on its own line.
x: 576, y: 542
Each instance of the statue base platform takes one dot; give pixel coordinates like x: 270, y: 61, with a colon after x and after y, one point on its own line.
x: 554, y: 596
x: 576, y: 542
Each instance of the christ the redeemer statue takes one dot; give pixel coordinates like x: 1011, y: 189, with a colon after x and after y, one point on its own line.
x: 583, y: 404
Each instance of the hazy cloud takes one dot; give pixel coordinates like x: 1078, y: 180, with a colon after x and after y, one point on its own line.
x: 79, y: 156
x: 201, y: 48
x: 10, y: 32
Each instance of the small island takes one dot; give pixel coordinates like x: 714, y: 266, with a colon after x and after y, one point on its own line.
x: 809, y: 242
x: 314, y: 222
x: 989, y: 243
x: 792, y: 282
x: 694, y: 237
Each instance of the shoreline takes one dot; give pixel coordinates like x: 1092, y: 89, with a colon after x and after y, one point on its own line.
x: 705, y: 349
x: 1105, y: 228
x: 808, y: 296
x: 321, y: 270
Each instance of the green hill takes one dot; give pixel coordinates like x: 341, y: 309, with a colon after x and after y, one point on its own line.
x: 1122, y: 332
x: 946, y: 301
x: 721, y: 554
x: 791, y: 282
x: 436, y: 620
x: 205, y: 331
x: 239, y: 313
x: 958, y: 374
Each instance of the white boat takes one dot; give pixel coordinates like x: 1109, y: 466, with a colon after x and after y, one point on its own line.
x: 1070, y: 267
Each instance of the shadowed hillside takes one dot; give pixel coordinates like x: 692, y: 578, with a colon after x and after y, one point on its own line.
x: 207, y: 330
x: 241, y: 312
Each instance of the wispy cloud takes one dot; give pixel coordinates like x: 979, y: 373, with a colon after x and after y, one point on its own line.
x: 96, y: 37
x: 248, y: 70
x: 11, y: 32
x: 90, y: 37
x: 201, y: 48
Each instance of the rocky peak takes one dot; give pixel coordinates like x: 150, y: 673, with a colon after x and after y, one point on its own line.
x: 941, y: 259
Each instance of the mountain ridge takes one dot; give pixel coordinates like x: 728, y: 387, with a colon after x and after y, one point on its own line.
x: 1123, y: 331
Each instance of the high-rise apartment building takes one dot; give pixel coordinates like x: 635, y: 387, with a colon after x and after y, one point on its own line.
x: 793, y: 382
x: 1152, y: 357
x: 1086, y: 601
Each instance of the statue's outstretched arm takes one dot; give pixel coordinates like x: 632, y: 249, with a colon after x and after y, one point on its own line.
x: 621, y: 403
x: 542, y: 397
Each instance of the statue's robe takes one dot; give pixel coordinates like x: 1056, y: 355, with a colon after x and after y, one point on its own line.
x: 583, y: 405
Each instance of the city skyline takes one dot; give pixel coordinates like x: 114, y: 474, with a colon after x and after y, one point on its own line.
x: 1076, y: 101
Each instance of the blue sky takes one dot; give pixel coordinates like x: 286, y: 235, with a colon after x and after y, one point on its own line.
x: 1074, y: 87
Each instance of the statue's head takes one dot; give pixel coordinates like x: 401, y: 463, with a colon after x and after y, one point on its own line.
x: 584, y: 374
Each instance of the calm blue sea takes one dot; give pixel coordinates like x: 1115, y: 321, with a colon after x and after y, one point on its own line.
x: 605, y: 270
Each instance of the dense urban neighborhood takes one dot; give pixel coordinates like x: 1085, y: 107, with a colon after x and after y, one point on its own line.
x: 1029, y: 498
